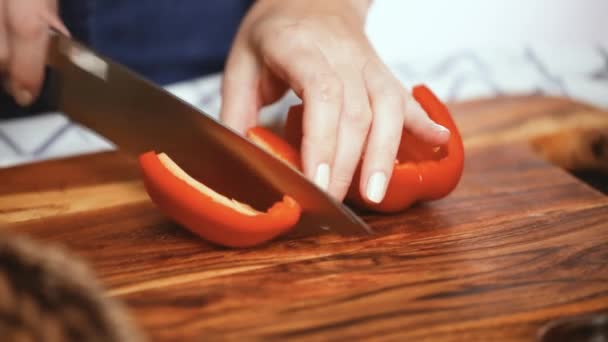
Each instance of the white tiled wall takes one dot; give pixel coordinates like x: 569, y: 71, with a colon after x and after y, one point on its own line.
x: 412, y: 28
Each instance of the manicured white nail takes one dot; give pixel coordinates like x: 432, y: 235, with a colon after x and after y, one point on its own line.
x: 23, y: 96
x: 376, y: 187
x: 322, y: 176
x: 441, y: 129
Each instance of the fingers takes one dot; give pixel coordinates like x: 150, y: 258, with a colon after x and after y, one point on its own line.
x: 301, y: 64
x: 246, y: 87
x: 240, y: 101
x: 323, y: 99
x: 26, y: 24
x: 50, y: 16
x: 29, y: 37
x: 4, y: 53
x: 355, y: 122
x: 352, y: 104
x: 392, y: 111
x: 418, y: 122
x: 388, y: 106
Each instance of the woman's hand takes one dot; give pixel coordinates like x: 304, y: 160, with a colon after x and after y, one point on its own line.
x: 353, y: 104
x: 24, y: 35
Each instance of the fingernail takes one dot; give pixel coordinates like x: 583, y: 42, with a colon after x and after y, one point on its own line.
x: 376, y: 186
x: 322, y: 176
x: 23, y: 96
x: 442, y: 130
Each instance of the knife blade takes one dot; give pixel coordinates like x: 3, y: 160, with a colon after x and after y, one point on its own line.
x: 138, y: 116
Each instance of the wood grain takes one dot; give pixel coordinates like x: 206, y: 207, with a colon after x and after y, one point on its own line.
x: 43, y: 204
x: 519, y: 243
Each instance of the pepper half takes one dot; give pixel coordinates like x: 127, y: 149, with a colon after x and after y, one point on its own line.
x: 422, y: 172
x: 209, y: 214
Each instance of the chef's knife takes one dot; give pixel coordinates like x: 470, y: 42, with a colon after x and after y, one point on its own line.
x: 138, y: 116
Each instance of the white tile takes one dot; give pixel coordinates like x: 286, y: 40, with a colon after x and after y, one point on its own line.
x: 7, y: 155
x: 517, y: 79
x: 400, y: 29
x: 441, y: 87
x: 72, y: 142
x: 472, y: 88
x: 276, y: 113
x: 32, y: 132
x: 203, y: 93
x: 212, y: 105
x: 571, y: 60
x: 591, y: 92
x: 15, y: 160
x: 93, y: 139
x: 185, y: 91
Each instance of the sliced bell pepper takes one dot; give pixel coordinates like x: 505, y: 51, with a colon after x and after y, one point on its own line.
x: 422, y: 172
x: 209, y: 214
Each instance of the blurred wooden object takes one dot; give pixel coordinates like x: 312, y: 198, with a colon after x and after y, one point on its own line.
x: 576, y: 149
x: 573, y: 137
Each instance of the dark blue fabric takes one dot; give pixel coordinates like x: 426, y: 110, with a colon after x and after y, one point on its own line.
x: 164, y: 40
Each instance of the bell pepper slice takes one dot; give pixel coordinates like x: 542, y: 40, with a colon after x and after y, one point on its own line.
x: 422, y: 172
x: 209, y: 214
x: 275, y: 145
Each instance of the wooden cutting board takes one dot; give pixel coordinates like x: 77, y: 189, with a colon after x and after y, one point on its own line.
x: 518, y: 244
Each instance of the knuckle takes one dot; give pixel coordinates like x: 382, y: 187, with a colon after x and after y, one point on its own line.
x: 326, y: 87
x: 320, y: 142
x: 360, y: 120
x: 295, y: 29
x: 387, y: 98
x: 392, y: 95
x: 336, y: 21
x: 387, y: 146
x: 292, y: 36
x: 286, y: 41
x: 342, y: 180
x: 378, y: 76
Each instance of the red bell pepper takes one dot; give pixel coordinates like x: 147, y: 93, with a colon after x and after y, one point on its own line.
x: 209, y: 214
x: 422, y: 172
x: 275, y: 145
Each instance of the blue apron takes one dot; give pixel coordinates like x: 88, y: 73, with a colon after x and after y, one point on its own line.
x: 164, y: 40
